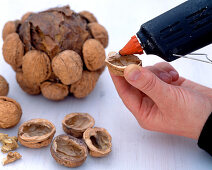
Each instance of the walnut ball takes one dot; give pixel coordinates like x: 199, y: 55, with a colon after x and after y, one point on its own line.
x: 10, y: 27
x: 54, y: 91
x: 4, y: 86
x: 85, y: 85
x: 13, y: 51
x: 88, y: 16
x: 36, y: 67
x: 93, y: 54
x: 98, y: 141
x: 10, y: 112
x: 69, y: 151
x: 99, y: 33
x: 36, y: 133
x: 67, y: 66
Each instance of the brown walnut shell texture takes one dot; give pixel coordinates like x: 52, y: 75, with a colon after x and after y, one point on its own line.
x: 10, y: 112
x: 88, y: 16
x: 54, y: 91
x: 93, y: 54
x: 13, y: 51
x: 117, y: 63
x: 30, y: 88
x: 36, y: 67
x: 36, y: 133
x: 10, y: 27
x: 98, y: 141
x: 4, y: 86
x: 67, y: 66
x: 99, y: 33
x: 85, y: 85
x: 69, y: 151
x: 75, y: 124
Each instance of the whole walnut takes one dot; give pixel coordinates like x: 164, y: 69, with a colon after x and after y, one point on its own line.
x: 36, y: 67
x: 85, y: 85
x: 13, y: 51
x: 93, y: 54
x: 4, y: 86
x: 67, y: 66
x: 10, y: 27
x: 10, y: 112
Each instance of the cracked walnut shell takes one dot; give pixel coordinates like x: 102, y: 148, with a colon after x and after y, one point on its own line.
x: 75, y: 124
x: 10, y: 112
x: 36, y: 133
x: 67, y: 66
x: 4, y: 86
x: 117, y: 63
x: 98, y: 141
x: 93, y: 54
x: 85, y: 85
x: 36, y: 67
x: 69, y: 151
x: 13, y: 51
x: 54, y: 91
x: 99, y: 33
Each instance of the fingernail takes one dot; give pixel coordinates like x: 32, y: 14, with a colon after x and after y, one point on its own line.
x: 165, y: 77
x: 174, y: 74
x: 134, y: 74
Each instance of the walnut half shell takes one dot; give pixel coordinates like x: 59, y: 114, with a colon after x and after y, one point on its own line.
x: 36, y: 133
x: 98, y: 141
x: 76, y: 123
x: 69, y: 151
x: 117, y: 63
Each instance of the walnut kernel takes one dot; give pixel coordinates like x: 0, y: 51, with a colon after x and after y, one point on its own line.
x: 4, y: 86
x: 75, y: 124
x: 8, y: 143
x: 10, y: 112
x: 93, y: 54
x: 98, y: 141
x: 67, y: 66
x: 11, y: 157
x: 69, y: 151
x: 117, y: 63
x: 36, y: 133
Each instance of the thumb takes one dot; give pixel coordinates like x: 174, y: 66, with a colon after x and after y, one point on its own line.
x: 147, y: 82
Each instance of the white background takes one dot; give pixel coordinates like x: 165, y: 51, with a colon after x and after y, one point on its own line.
x: 133, y: 147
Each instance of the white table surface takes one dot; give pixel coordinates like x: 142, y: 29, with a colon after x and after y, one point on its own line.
x: 133, y: 147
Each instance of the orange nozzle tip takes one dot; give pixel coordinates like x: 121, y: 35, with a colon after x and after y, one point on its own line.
x: 132, y: 47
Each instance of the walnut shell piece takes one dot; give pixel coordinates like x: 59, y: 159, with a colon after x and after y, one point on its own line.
x: 36, y: 67
x: 13, y: 50
x: 4, y: 86
x: 99, y: 33
x: 85, y: 85
x: 10, y: 27
x: 75, y: 124
x: 30, y: 88
x: 54, y: 91
x: 69, y: 151
x: 10, y: 112
x: 88, y: 16
x: 67, y: 66
x: 11, y: 157
x: 36, y: 133
x: 117, y: 63
x: 93, y: 54
x: 98, y: 141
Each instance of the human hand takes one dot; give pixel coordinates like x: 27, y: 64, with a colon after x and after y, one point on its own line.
x: 162, y: 101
